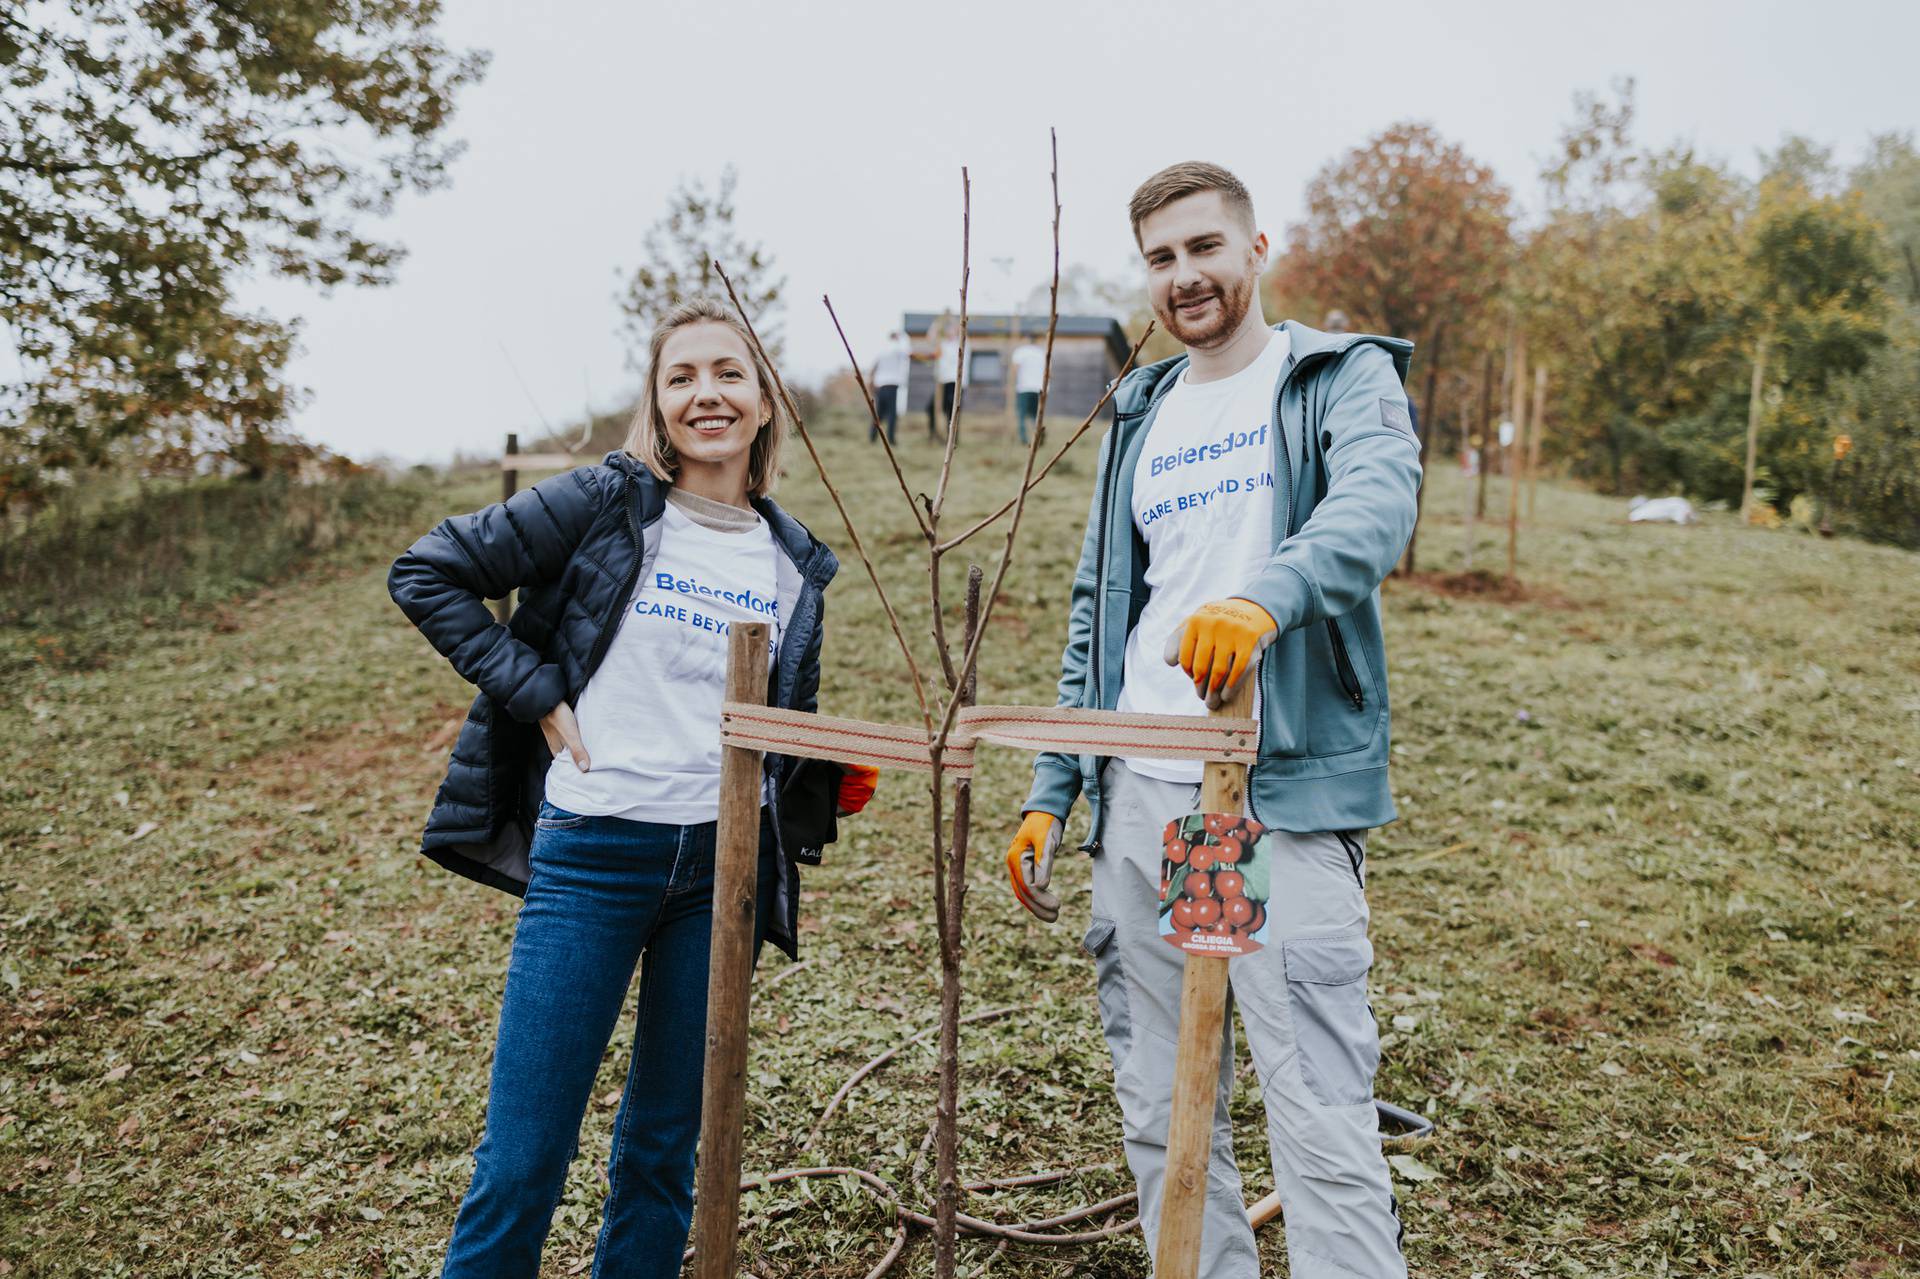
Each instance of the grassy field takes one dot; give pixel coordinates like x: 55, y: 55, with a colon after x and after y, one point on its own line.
x: 1646, y: 930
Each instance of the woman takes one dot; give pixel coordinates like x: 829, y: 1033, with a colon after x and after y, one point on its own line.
x: 631, y: 573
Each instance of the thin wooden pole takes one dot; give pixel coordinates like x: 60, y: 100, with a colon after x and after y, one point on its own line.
x: 1535, y: 421
x: 1513, y: 455
x: 947, y: 1104
x: 1753, y: 426
x: 736, y: 862
x: 1481, y: 444
x: 1196, y: 1064
x: 509, y: 484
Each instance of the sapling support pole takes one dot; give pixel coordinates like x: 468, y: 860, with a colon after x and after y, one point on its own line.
x: 509, y: 483
x: 1196, y: 1068
x: 736, y: 862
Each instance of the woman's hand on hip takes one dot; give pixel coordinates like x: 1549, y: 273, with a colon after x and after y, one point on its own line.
x: 563, y: 734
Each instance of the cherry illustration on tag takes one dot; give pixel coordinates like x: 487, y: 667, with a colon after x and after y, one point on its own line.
x: 1215, y: 881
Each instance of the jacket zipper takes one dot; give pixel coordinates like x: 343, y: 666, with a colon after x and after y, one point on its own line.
x: 626, y: 590
x: 1343, y: 665
x: 1286, y: 531
x: 1092, y: 846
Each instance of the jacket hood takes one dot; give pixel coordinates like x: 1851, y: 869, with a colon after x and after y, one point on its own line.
x: 1305, y: 342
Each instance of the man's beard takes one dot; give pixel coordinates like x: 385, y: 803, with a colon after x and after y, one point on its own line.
x: 1235, y: 301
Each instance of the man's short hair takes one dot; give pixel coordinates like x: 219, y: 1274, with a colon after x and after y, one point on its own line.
x: 1191, y: 177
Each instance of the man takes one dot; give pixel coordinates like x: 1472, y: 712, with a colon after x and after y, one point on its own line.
x: 946, y: 373
x: 1029, y: 375
x: 889, y: 376
x: 1251, y: 496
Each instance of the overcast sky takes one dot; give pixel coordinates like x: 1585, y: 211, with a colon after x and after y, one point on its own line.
x: 849, y: 124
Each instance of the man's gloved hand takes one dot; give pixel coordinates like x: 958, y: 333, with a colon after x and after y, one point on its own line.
x: 1030, y: 864
x: 1218, y: 643
x: 857, y: 784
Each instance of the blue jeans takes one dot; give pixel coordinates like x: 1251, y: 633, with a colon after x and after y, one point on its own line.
x: 604, y: 894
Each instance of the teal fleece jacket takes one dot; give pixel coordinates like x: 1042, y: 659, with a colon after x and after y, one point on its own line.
x: 1346, y: 468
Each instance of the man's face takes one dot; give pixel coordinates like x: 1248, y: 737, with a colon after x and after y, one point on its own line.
x: 1202, y: 268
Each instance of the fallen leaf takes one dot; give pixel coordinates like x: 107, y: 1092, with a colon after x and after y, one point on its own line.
x: 128, y: 1126
x: 143, y: 830
x: 118, y: 1073
x: 1412, y: 1169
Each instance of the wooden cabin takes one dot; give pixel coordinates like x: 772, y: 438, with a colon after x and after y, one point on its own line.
x: 1088, y: 352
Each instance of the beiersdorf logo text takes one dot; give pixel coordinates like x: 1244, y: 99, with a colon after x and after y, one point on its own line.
x: 1161, y: 463
x: 752, y: 601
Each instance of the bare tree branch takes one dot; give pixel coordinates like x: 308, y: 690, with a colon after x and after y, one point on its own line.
x: 1073, y: 439
x: 960, y: 374
x: 873, y: 412
x: 972, y: 656
x: 853, y: 534
x: 938, y: 504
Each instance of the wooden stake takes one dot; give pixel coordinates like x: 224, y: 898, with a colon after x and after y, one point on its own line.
x: 509, y: 482
x: 1534, y: 422
x: 1196, y: 1068
x: 1753, y: 426
x: 736, y: 863
x: 1513, y: 455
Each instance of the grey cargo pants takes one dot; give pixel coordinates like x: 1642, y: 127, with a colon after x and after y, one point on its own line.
x: 1303, y: 999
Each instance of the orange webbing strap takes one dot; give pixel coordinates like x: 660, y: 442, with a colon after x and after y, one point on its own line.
x: 1033, y: 728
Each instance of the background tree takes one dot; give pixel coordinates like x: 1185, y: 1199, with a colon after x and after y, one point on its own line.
x: 1635, y: 288
x: 1816, y: 273
x: 149, y: 156
x: 1889, y: 186
x: 1410, y: 236
x: 681, y: 249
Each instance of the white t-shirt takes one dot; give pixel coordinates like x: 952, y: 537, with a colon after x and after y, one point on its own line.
x: 947, y: 367
x: 1029, y: 367
x: 890, y: 369
x: 650, y: 716
x: 1203, y: 502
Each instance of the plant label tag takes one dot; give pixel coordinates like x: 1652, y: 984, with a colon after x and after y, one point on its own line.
x: 1215, y: 879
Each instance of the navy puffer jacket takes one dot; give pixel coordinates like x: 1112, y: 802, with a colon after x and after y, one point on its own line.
x: 574, y: 546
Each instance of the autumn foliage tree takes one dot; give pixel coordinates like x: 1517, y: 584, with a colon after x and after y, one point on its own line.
x: 152, y: 155
x: 1411, y: 237
x: 1657, y: 279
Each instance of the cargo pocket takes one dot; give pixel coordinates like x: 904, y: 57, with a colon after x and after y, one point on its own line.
x: 1116, y: 1017
x: 1337, y: 1042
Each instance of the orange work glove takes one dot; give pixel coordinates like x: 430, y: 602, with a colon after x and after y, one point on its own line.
x: 857, y: 784
x: 1030, y: 864
x: 1218, y: 643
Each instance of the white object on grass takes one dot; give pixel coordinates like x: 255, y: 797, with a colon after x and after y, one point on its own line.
x: 1660, y: 510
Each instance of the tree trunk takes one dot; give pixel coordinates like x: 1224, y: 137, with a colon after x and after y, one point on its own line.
x: 947, y: 1108
x: 1753, y: 425
x: 1428, y: 425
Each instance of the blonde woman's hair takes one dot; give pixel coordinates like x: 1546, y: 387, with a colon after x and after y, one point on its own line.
x: 647, y: 434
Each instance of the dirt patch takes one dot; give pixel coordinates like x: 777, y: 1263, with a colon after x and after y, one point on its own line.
x: 369, y: 748
x: 1491, y: 588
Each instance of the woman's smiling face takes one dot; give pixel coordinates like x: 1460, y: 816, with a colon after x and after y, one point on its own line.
x: 709, y: 397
